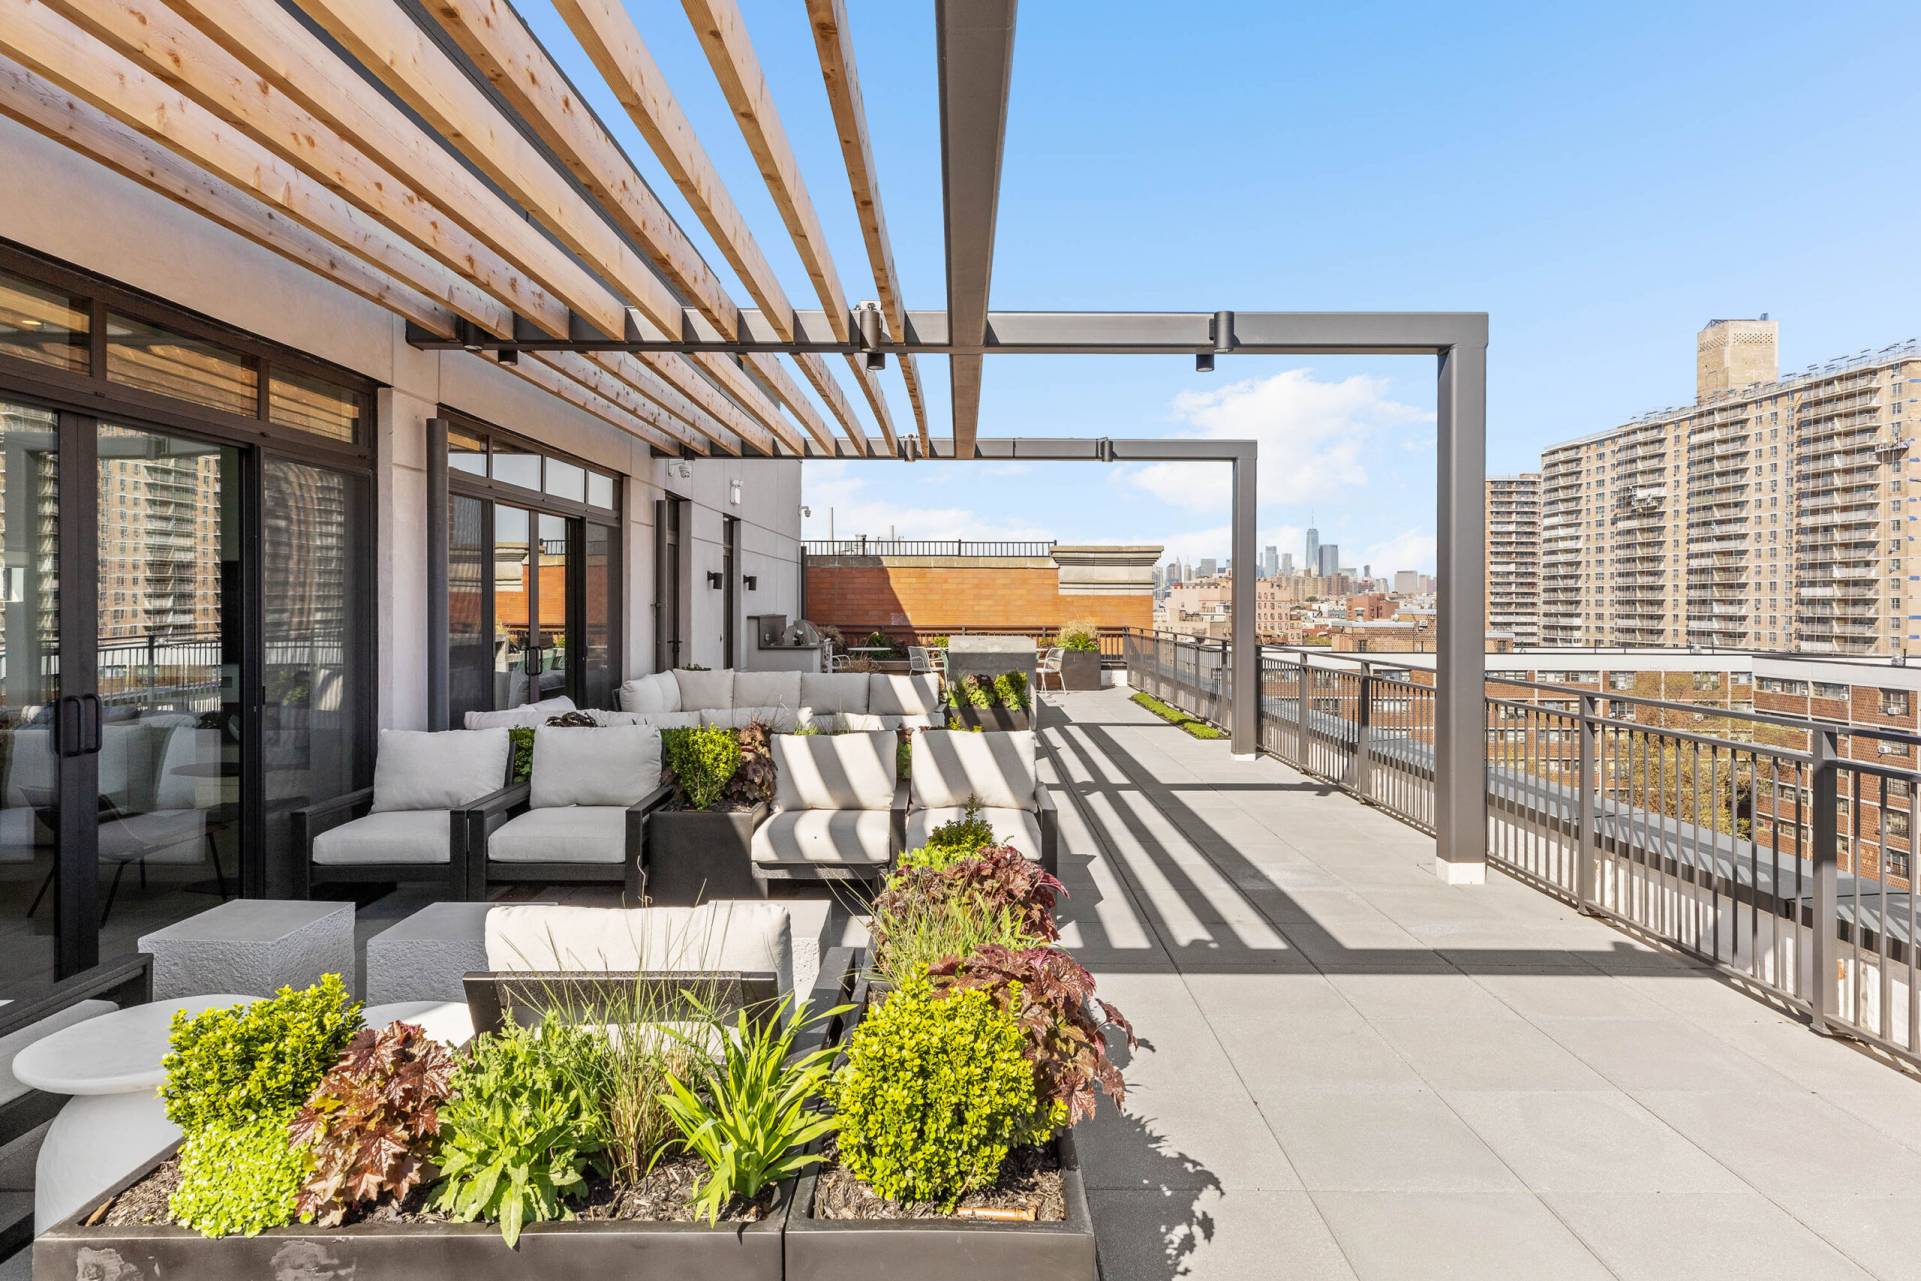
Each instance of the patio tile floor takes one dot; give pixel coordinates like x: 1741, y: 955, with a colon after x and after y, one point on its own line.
x: 1349, y: 1069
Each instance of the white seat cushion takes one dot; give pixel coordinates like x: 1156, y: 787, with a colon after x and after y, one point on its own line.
x: 526, y: 715
x: 671, y: 720
x: 614, y: 766
x: 834, y: 691
x: 417, y: 770
x: 893, y: 695
x: 834, y: 771
x: 1019, y: 828
x: 396, y: 836
x: 825, y: 838
x: 749, y: 937
x: 856, y: 723
x: 563, y: 834
x: 778, y: 719
x: 949, y: 766
x: 705, y: 691
x: 657, y: 693
x: 603, y: 718
x: 767, y: 689
x: 918, y: 720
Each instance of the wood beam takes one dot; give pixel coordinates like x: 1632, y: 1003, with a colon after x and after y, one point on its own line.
x: 976, y: 39
x: 65, y: 119
x: 730, y: 51
x: 62, y: 54
x: 612, y: 42
x: 834, y: 44
x: 557, y: 373
x: 502, y: 48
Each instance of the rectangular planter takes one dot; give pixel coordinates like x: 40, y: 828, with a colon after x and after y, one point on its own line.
x: 696, y: 856
x: 989, y: 718
x: 944, y: 1249
x: 1080, y: 669
x: 417, y: 1252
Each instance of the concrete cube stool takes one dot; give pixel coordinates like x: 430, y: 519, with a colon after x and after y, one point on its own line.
x: 425, y: 956
x: 252, y: 946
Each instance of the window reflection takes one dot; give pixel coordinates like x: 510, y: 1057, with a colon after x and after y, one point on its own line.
x: 43, y: 325
x: 159, y: 360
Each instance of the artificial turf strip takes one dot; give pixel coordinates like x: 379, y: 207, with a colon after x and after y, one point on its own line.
x: 1175, y: 716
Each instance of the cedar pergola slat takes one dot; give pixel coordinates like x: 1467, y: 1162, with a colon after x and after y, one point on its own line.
x: 67, y: 120
x: 730, y: 51
x: 835, y: 46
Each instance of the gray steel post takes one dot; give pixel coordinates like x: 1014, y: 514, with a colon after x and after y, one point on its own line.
x: 1302, y: 734
x: 1360, y: 771
x: 1586, y: 842
x: 1241, y: 612
x: 1824, y: 927
x: 439, y: 710
x: 1460, y: 715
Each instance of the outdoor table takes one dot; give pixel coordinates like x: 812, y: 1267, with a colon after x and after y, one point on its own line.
x: 115, y: 1120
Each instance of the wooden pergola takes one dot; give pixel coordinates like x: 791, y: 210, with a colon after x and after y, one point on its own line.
x: 432, y: 157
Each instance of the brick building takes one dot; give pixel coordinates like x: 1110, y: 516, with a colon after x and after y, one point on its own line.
x: 920, y: 587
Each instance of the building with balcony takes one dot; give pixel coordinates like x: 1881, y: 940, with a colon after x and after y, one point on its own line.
x: 1514, y: 556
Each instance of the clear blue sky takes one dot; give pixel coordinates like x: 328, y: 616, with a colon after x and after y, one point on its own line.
x: 1601, y: 180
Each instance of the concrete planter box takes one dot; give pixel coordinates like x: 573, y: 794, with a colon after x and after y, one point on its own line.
x: 945, y: 1249
x: 989, y: 718
x: 695, y: 856
x: 417, y: 1252
x: 1081, y: 669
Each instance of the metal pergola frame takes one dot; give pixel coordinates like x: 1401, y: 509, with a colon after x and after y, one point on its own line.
x: 435, y: 159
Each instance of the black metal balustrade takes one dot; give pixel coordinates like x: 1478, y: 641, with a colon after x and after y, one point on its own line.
x: 1776, y: 848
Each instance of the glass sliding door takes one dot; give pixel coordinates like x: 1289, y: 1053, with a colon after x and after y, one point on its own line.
x: 470, y: 622
x: 29, y: 692
x: 600, y: 589
x: 513, y: 590
x: 552, y: 660
x: 316, y: 658
x: 169, y: 725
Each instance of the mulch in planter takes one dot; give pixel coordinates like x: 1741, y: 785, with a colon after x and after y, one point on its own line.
x: 665, y: 1195
x: 1030, y: 1182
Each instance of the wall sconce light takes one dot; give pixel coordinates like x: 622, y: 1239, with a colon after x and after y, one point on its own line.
x: 733, y: 492
x: 715, y: 578
x: 1204, y: 362
x: 752, y: 581
x: 684, y: 470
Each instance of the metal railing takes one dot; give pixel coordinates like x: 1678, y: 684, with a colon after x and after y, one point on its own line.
x: 900, y: 636
x: 863, y: 546
x: 1777, y: 849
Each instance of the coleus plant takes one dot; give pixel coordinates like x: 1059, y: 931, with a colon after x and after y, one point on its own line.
x: 370, y: 1123
x: 996, y: 877
x: 753, y: 782
x: 1051, y: 997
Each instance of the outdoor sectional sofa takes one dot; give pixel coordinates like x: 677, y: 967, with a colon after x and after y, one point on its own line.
x: 833, y: 701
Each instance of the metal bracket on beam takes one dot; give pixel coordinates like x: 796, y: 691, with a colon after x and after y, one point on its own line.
x: 867, y: 328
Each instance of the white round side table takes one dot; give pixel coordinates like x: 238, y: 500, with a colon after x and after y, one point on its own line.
x: 115, y: 1119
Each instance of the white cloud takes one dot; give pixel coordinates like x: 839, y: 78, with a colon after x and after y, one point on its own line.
x: 846, y: 503
x: 1315, y: 438
x: 1409, y: 549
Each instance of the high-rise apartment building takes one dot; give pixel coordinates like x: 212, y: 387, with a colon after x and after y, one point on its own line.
x: 1287, y: 565
x: 1330, y: 561
x: 1270, y: 562
x: 1311, y: 562
x: 1206, y: 569
x: 1514, y: 556
x: 1770, y: 514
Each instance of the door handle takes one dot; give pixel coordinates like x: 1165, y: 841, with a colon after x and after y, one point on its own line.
x: 69, y: 726
x: 96, y: 722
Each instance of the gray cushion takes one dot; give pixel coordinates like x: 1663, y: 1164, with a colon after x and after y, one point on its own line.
x: 856, y: 723
x: 752, y: 937
x: 892, y: 695
x: 527, y: 714
x: 780, y: 720
x: 614, y: 766
x: 657, y: 693
x: 397, y: 836
x: 670, y: 720
x: 834, y: 691
x: 825, y: 838
x: 1019, y: 828
x: 564, y: 834
x: 918, y: 721
x: 948, y: 766
x: 767, y: 689
x: 833, y: 771
x: 602, y: 717
x: 418, y: 770
x: 700, y: 691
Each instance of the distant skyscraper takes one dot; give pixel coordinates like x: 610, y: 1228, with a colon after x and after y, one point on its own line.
x: 1287, y: 564
x: 1271, y: 562
x: 1206, y: 568
x: 1407, y: 582
x: 1312, y: 561
x: 1330, y: 559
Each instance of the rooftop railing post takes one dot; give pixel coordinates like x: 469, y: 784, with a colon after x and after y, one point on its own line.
x: 1586, y: 783
x: 1301, y: 730
x: 1460, y: 667
x: 1360, y: 771
x: 1241, y: 615
x: 1824, y: 925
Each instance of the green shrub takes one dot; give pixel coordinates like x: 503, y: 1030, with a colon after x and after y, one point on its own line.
x: 702, y: 760
x: 519, y: 1136
x: 369, y: 1127
x: 522, y: 738
x: 1194, y: 726
x: 238, y: 1177
x: 1010, y: 690
x: 977, y: 693
x: 912, y: 929
x: 953, y: 840
x: 228, y: 1067
x: 904, y: 758
x: 1079, y: 638
x: 934, y: 1093
x: 750, y: 1120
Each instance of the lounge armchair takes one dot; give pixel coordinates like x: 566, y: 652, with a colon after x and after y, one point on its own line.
x: 951, y: 767
x: 580, y: 817
x: 839, y: 810
x: 410, y: 825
